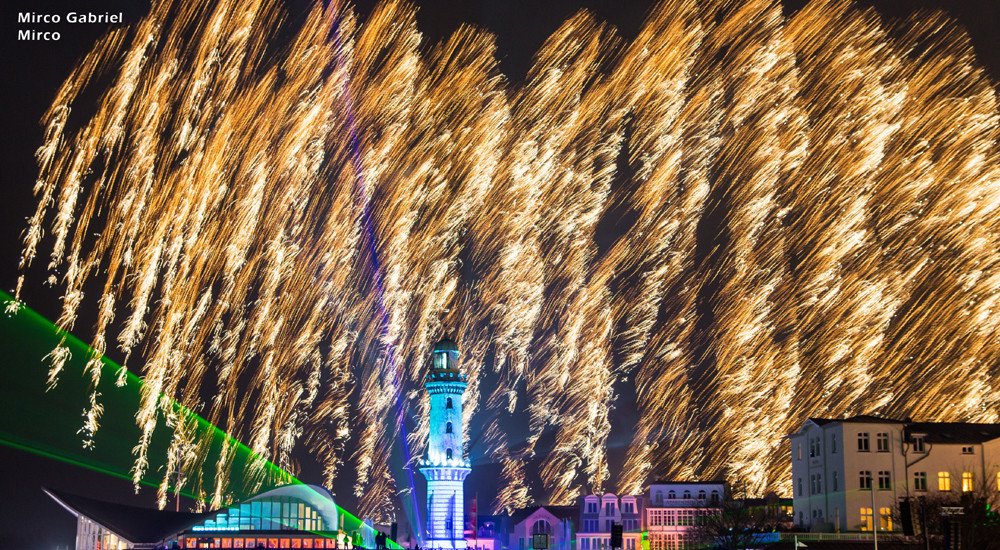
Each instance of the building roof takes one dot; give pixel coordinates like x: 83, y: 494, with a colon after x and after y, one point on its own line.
x: 148, y: 525
x: 954, y: 432
x: 859, y: 419
x: 706, y: 482
x: 934, y: 432
x: 135, y: 524
x: 561, y: 512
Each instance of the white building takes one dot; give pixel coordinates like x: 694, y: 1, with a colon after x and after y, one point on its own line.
x: 849, y: 473
x: 673, y: 508
x: 597, y: 513
x: 445, y: 466
x: 554, y: 521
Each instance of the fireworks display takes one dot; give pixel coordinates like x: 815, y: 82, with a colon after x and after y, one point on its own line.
x: 738, y: 219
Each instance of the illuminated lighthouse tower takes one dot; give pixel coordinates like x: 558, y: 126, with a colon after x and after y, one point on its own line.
x: 444, y: 467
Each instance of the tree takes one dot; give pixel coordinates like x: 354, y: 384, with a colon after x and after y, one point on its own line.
x: 737, y: 524
x: 979, y: 522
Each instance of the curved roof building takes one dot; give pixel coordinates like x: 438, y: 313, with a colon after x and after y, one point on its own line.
x: 290, y: 516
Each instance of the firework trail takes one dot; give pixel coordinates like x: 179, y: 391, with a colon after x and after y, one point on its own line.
x: 276, y: 216
x: 943, y: 182
x: 844, y: 299
x: 675, y: 137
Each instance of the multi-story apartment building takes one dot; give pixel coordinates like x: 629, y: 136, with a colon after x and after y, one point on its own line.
x: 848, y: 474
x: 597, y: 513
x: 673, y: 509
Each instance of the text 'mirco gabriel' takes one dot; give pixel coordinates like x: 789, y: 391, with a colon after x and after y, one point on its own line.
x: 73, y: 17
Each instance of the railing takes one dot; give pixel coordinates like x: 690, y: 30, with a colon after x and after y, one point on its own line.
x: 844, y: 536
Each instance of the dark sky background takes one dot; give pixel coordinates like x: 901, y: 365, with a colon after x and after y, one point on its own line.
x: 31, y: 73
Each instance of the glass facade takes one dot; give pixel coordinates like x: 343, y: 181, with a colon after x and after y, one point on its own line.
x: 278, y: 513
x: 91, y: 536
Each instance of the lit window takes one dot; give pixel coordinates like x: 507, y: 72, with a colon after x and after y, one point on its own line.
x: 967, y: 450
x: 866, y: 519
x: 919, y: 481
x: 863, y: 442
x: 944, y: 481
x: 882, y: 442
x: 966, y: 482
x: 866, y: 479
x: 998, y: 480
x: 885, y: 519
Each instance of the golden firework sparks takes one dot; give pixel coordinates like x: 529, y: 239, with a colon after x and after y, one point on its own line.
x: 811, y: 229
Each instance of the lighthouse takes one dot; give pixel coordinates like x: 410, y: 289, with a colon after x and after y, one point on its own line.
x: 445, y: 466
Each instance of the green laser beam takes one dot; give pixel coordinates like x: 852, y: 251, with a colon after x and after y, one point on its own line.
x: 112, y: 368
x: 28, y: 337
x: 7, y: 440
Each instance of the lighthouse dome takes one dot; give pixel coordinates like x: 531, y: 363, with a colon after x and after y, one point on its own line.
x: 446, y: 344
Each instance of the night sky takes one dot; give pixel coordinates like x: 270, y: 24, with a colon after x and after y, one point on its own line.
x: 33, y: 70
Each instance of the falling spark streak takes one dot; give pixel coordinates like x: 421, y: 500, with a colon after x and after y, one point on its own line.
x: 803, y: 218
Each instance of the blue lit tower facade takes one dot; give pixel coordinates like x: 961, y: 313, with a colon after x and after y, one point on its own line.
x: 445, y: 467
